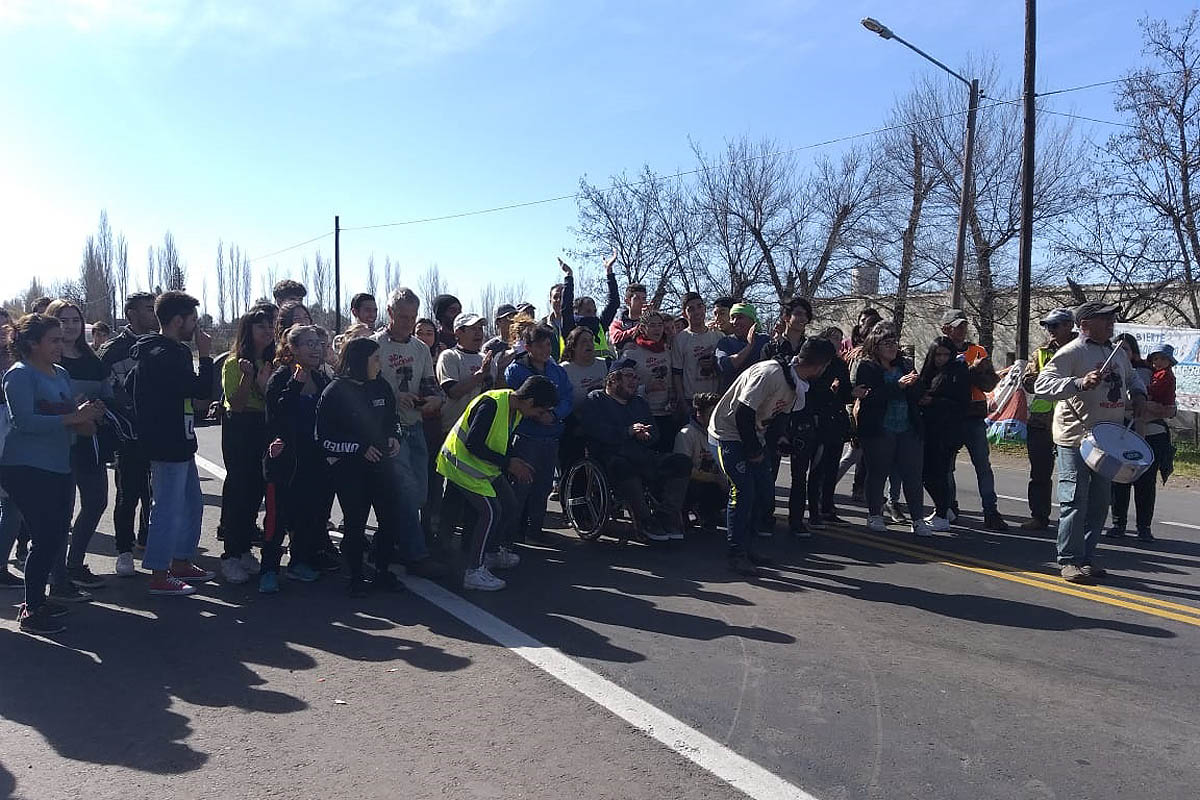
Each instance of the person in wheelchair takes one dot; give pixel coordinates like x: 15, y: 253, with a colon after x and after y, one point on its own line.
x: 620, y: 433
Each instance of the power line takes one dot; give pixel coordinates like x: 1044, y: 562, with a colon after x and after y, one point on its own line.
x: 292, y: 247
x: 1086, y: 119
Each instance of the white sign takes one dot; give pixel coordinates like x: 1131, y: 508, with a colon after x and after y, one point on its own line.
x: 1186, y: 342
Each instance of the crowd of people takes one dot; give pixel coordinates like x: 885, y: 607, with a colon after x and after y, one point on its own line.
x: 433, y: 425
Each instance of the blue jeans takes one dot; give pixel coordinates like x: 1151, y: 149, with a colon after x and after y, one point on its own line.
x: 1083, y: 498
x: 91, y: 480
x: 976, y: 442
x: 176, y: 514
x: 541, y: 454
x: 750, y: 490
x: 409, y: 537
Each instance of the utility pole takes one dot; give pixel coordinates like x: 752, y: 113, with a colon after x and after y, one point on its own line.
x: 337, y: 274
x: 1025, y: 265
x: 967, y: 200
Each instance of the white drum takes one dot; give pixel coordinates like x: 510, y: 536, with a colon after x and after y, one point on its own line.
x: 1116, y: 452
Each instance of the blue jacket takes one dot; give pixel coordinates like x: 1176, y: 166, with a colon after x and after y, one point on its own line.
x: 518, y: 372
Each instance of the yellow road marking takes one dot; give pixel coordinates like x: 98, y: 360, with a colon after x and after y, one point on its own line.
x: 1110, y: 597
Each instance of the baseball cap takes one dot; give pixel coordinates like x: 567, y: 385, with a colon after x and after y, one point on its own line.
x: 1094, y: 308
x: 954, y: 317
x: 466, y: 320
x: 625, y: 363
x: 526, y: 308
x: 1057, y: 317
x: 1163, y: 350
x: 505, y: 310
x: 746, y: 310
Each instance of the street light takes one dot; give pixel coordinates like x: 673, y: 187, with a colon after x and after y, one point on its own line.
x: 960, y: 252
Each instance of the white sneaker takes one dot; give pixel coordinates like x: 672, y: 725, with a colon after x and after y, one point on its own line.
x: 502, y: 559
x: 125, y: 567
x: 921, y: 528
x: 877, y: 524
x: 940, y: 524
x: 250, y: 564
x: 482, y: 580
x: 233, y: 571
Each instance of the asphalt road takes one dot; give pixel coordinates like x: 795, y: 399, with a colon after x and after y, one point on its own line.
x: 862, y: 666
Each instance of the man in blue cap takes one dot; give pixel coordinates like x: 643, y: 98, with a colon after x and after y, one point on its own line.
x: 1060, y: 325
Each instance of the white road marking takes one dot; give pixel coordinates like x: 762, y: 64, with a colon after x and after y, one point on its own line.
x: 1157, y: 521
x: 738, y: 771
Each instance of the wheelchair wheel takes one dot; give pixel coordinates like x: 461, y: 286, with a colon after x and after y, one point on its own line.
x: 586, y: 499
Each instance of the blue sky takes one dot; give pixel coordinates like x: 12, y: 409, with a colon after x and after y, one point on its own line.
x: 257, y: 122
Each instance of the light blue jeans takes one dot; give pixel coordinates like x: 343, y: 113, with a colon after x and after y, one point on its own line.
x: 976, y: 442
x: 1083, y: 498
x: 176, y: 513
x: 411, y: 468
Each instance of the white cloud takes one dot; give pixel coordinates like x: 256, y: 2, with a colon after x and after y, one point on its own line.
x: 371, y: 33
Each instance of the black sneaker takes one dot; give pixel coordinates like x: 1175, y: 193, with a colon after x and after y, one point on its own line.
x: 992, y: 521
x: 742, y: 565
x: 761, y: 560
x: 1145, y: 536
x: 816, y: 523
x: 326, y: 562
x: 69, y: 594
x: 800, y: 531
x: 386, y: 581
x: 54, y: 609
x: 39, y: 622
x: 358, y: 588
x: 1115, y: 532
x: 10, y: 581
x: 84, y: 578
x: 832, y: 517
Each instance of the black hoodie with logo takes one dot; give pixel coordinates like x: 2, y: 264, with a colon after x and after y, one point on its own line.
x: 164, y: 386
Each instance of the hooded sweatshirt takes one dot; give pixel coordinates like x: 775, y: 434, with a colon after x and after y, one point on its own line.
x: 164, y: 387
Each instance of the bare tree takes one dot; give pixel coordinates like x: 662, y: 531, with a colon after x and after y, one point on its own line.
x: 372, y: 279
x: 221, y: 281
x: 1137, y: 230
x: 204, y: 293
x: 621, y: 217
x: 430, y: 285
x: 514, y: 293
x: 247, y: 282
x: 122, y: 268
x: 487, y: 301
x: 389, y: 280
x: 151, y: 270
x: 170, y: 269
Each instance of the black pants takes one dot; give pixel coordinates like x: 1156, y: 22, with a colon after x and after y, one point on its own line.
x: 300, y: 508
x: 360, y: 487
x: 939, y: 457
x: 1144, y: 490
x: 631, y: 470
x: 493, y: 516
x: 243, y: 442
x: 667, y: 426
x: 44, y: 500
x: 1042, y: 453
x: 807, y: 451
x: 133, y: 488
x: 833, y: 437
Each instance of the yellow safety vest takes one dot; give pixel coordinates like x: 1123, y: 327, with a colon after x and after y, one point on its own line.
x: 1041, y: 405
x: 462, y: 467
x: 599, y: 342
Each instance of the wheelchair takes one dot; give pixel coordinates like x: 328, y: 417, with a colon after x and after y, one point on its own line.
x: 591, y: 505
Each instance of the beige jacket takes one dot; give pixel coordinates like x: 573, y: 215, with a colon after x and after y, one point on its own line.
x: 1078, y: 411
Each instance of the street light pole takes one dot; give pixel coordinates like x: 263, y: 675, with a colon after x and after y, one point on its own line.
x: 968, y: 187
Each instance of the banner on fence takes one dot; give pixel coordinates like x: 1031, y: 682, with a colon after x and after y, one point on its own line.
x: 1186, y: 342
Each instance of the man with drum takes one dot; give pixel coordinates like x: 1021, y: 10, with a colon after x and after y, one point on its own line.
x: 1093, y: 382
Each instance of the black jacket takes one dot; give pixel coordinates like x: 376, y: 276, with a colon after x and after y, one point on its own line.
x: 353, y: 416
x: 950, y: 393
x: 116, y: 354
x: 292, y: 418
x: 164, y: 387
x: 825, y: 403
x: 872, y: 407
x: 606, y: 424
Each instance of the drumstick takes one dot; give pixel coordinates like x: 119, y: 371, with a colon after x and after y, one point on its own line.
x: 1110, y: 358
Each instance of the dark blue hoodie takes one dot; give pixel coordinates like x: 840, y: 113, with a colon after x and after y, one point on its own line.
x: 164, y: 386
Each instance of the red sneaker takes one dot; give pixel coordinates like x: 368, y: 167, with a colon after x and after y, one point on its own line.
x: 193, y: 574
x: 170, y: 585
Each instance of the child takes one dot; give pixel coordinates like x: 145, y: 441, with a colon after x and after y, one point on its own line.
x: 1162, y: 380
x: 707, y: 488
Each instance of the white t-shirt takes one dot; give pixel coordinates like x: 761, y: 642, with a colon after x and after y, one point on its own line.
x: 585, y: 379
x: 764, y: 388
x: 801, y: 392
x: 692, y: 442
x: 458, y: 365
x: 654, y: 377
x: 407, y: 367
x: 693, y: 353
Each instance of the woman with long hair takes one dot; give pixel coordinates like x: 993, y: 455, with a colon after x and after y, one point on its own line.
x: 889, y: 425
x: 946, y: 384
x: 35, y: 467
x: 244, y: 378
x: 356, y: 426
x: 11, y: 521
x: 294, y: 313
x: 297, y: 473
x: 91, y: 380
x: 652, y: 356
